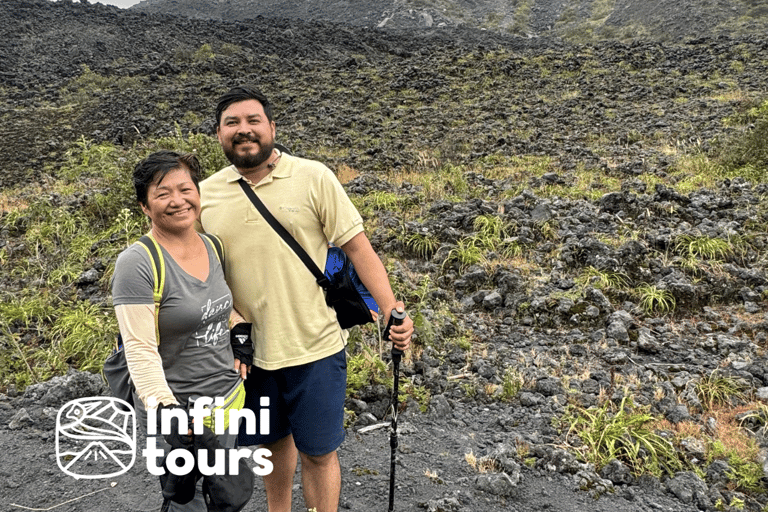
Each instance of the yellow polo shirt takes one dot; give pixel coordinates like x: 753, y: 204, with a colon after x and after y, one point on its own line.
x: 271, y: 286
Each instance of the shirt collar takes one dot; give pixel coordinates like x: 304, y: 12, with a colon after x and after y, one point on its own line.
x: 283, y: 169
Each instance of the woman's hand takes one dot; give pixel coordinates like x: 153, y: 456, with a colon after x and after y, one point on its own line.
x: 242, y: 348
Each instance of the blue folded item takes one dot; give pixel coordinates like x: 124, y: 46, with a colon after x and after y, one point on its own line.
x: 335, y: 262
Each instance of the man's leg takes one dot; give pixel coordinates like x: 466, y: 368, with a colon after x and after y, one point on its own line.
x: 321, y: 480
x: 279, y: 483
x: 317, y: 423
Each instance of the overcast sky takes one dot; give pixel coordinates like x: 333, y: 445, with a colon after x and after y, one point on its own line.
x: 118, y: 3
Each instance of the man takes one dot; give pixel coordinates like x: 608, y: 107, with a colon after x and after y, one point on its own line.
x: 299, y: 361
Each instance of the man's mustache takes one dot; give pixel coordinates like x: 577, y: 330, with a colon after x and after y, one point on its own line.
x: 245, y: 138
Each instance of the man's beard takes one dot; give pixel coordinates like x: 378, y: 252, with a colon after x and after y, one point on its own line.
x: 250, y: 160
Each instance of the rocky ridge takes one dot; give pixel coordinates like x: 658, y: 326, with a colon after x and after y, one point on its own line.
x: 574, y: 20
x: 468, y: 98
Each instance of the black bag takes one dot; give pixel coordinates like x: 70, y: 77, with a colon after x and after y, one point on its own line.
x: 224, y: 493
x: 117, y: 375
x: 115, y: 366
x: 350, y: 307
x: 346, y: 293
x: 341, y: 294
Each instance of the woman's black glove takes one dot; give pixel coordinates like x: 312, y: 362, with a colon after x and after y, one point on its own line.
x: 174, y: 438
x: 242, y: 346
x: 178, y: 488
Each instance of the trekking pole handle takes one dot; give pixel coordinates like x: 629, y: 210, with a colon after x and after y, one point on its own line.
x: 395, y: 318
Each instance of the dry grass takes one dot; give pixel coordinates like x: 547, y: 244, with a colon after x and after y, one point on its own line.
x: 483, y: 464
x: 345, y: 173
x: 16, y: 199
x: 733, y: 95
x: 729, y: 433
x: 682, y: 430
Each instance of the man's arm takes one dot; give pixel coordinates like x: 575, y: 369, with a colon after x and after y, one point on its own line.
x: 374, y: 276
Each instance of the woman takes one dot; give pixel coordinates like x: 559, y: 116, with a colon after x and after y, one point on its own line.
x: 192, y: 356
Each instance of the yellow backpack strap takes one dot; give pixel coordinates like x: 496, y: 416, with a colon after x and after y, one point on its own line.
x: 158, y: 273
x: 218, y: 247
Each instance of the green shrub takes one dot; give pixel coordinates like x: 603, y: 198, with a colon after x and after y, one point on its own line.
x: 466, y: 253
x: 423, y: 245
x: 83, y: 337
x: 656, y: 300
x: 601, y: 279
x: 716, y: 390
x: 511, y: 384
x: 205, y: 147
x: 365, y: 368
x: 746, y: 475
x: 746, y: 154
x: 491, y: 231
x: 622, y: 432
x: 703, y: 247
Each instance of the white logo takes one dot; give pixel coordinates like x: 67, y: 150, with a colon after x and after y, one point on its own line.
x: 96, y: 437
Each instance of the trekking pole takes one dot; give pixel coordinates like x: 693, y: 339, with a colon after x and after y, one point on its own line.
x: 395, y: 318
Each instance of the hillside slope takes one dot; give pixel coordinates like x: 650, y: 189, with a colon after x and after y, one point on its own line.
x: 575, y: 20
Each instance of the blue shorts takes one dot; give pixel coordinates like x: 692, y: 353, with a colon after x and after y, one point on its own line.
x: 306, y: 401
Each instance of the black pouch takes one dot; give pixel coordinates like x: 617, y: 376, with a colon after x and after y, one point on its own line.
x: 117, y: 374
x: 343, y: 296
x: 229, y: 492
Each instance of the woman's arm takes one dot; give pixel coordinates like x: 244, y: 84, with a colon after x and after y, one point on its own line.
x: 137, y: 328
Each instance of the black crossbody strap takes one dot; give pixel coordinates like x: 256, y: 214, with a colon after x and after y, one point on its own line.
x: 285, y: 235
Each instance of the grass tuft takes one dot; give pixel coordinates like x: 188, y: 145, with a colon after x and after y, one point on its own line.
x: 655, y: 300
x: 624, y: 432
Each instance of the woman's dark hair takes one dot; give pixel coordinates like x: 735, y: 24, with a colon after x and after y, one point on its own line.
x: 154, y: 168
x: 242, y: 93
